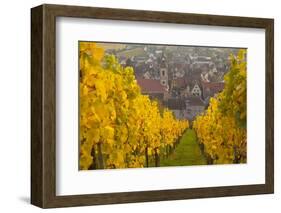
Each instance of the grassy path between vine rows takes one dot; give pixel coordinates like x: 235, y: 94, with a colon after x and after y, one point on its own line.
x: 186, y: 153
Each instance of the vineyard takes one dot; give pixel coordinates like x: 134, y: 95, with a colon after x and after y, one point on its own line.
x: 222, y: 130
x: 120, y: 127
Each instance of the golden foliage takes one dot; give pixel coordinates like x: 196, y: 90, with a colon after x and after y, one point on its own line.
x: 222, y: 128
x: 119, y: 127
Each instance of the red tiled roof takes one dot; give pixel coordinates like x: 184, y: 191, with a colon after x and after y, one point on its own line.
x: 150, y: 85
x: 214, y: 86
x: 181, y: 82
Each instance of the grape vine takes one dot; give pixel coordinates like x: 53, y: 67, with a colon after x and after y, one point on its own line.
x: 119, y: 127
x: 222, y: 129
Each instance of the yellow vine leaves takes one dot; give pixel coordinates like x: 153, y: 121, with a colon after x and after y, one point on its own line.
x: 222, y: 128
x: 119, y: 127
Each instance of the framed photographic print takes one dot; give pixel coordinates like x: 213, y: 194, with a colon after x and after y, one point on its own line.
x: 136, y: 106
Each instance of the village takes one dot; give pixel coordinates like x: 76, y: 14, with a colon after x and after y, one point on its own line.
x: 182, y: 78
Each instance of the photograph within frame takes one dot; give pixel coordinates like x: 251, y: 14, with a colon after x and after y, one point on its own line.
x: 152, y: 105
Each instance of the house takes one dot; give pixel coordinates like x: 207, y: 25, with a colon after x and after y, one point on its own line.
x: 140, y: 59
x: 196, y: 90
x: 147, y: 75
x: 177, y: 106
x: 179, y: 66
x: 211, y: 88
x: 200, y: 66
x: 193, y: 107
x: 185, y: 87
x: 153, y: 88
x: 180, y: 83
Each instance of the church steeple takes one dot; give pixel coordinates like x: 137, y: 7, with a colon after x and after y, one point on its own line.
x: 163, y: 71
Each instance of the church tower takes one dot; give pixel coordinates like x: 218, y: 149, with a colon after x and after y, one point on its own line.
x: 164, y: 72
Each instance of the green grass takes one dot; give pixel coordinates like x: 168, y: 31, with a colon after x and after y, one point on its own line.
x: 186, y: 153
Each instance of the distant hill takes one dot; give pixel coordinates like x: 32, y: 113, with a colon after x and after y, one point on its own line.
x: 116, y: 46
x: 136, y: 51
